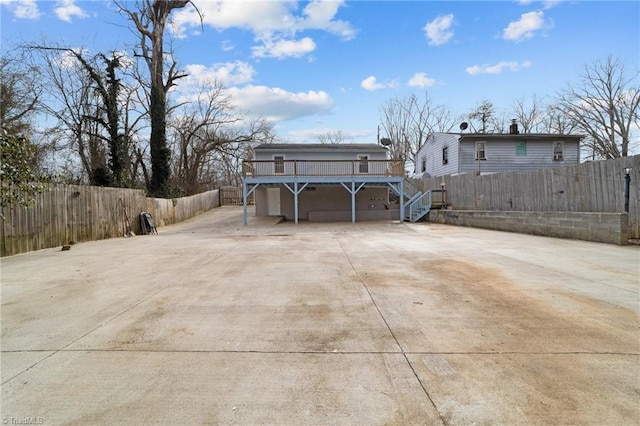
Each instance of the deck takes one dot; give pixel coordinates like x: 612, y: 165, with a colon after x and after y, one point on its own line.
x: 295, y: 175
x: 334, y: 170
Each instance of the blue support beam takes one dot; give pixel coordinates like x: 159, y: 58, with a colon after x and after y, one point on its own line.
x: 400, y: 191
x: 402, y: 200
x: 353, y: 191
x: 244, y: 202
x: 245, y: 195
x: 296, y: 191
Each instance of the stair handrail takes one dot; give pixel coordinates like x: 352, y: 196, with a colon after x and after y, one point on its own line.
x: 420, y: 206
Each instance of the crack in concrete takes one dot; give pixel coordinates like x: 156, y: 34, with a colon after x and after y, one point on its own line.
x: 404, y: 354
x: 204, y: 351
x: 102, y: 324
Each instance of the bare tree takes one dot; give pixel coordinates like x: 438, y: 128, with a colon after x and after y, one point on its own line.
x: 484, y: 113
x: 332, y: 137
x: 107, y: 114
x: 408, y: 122
x: 69, y: 98
x: 205, y: 132
x: 529, y: 115
x: 604, y: 104
x: 557, y: 122
x: 20, y: 90
x: 395, y: 123
x: 95, y: 107
x: 227, y: 164
x: 150, y: 18
x: 499, y: 123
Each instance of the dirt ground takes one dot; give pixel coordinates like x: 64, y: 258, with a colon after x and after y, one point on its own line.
x: 385, y: 323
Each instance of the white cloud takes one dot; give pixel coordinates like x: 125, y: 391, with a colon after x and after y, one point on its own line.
x: 551, y: 3
x: 276, y: 104
x: 227, y: 46
x: 67, y: 60
x: 273, y: 23
x: 259, y: 17
x: 371, y: 84
x: 228, y: 73
x: 546, y: 4
x: 23, y: 9
x: 420, y: 79
x: 266, y: 17
x: 439, y: 30
x: 320, y: 15
x: 525, y: 27
x: 67, y: 9
x: 497, y: 68
x: 284, y: 48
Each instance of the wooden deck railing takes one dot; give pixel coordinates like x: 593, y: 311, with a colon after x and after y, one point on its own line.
x: 273, y: 168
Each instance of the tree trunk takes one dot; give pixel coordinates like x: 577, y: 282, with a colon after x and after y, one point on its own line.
x: 160, y: 171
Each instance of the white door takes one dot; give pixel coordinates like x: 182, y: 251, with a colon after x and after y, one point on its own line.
x: 273, y: 201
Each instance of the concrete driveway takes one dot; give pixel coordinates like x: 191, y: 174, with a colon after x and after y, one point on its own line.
x: 384, y: 323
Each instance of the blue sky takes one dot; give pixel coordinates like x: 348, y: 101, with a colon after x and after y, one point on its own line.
x: 314, y: 67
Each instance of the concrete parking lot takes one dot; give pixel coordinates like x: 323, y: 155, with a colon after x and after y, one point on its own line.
x: 386, y: 323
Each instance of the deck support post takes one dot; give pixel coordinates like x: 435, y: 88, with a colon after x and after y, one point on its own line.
x: 353, y: 191
x: 245, y: 196
x: 244, y: 202
x: 296, y: 191
x: 353, y: 202
x: 402, y: 200
x: 295, y: 201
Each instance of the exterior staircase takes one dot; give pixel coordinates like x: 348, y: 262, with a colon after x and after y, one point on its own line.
x: 417, y: 203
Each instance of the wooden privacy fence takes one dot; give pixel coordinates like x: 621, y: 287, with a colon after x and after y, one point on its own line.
x: 65, y: 213
x: 232, y: 196
x: 596, y: 186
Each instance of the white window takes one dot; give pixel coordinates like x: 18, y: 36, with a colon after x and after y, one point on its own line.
x: 481, y: 151
x: 445, y: 155
x: 363, y: 164
x: 423, y: 168
x: 278, y: 164
x: 558, y: 151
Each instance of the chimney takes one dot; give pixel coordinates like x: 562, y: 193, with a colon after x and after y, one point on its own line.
x: 513, y: 129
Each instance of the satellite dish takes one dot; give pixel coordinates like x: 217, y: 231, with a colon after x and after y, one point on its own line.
x: 385, y: 141
x: 464, y: 125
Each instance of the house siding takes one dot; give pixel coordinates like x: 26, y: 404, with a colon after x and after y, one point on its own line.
x: 501, y: 155
x: 325, y: 199
x: 431, y: 152
x: 321, y: 155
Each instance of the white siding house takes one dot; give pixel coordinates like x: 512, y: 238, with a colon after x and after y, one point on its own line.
x: 323, y: 182
x: 454, y: 153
